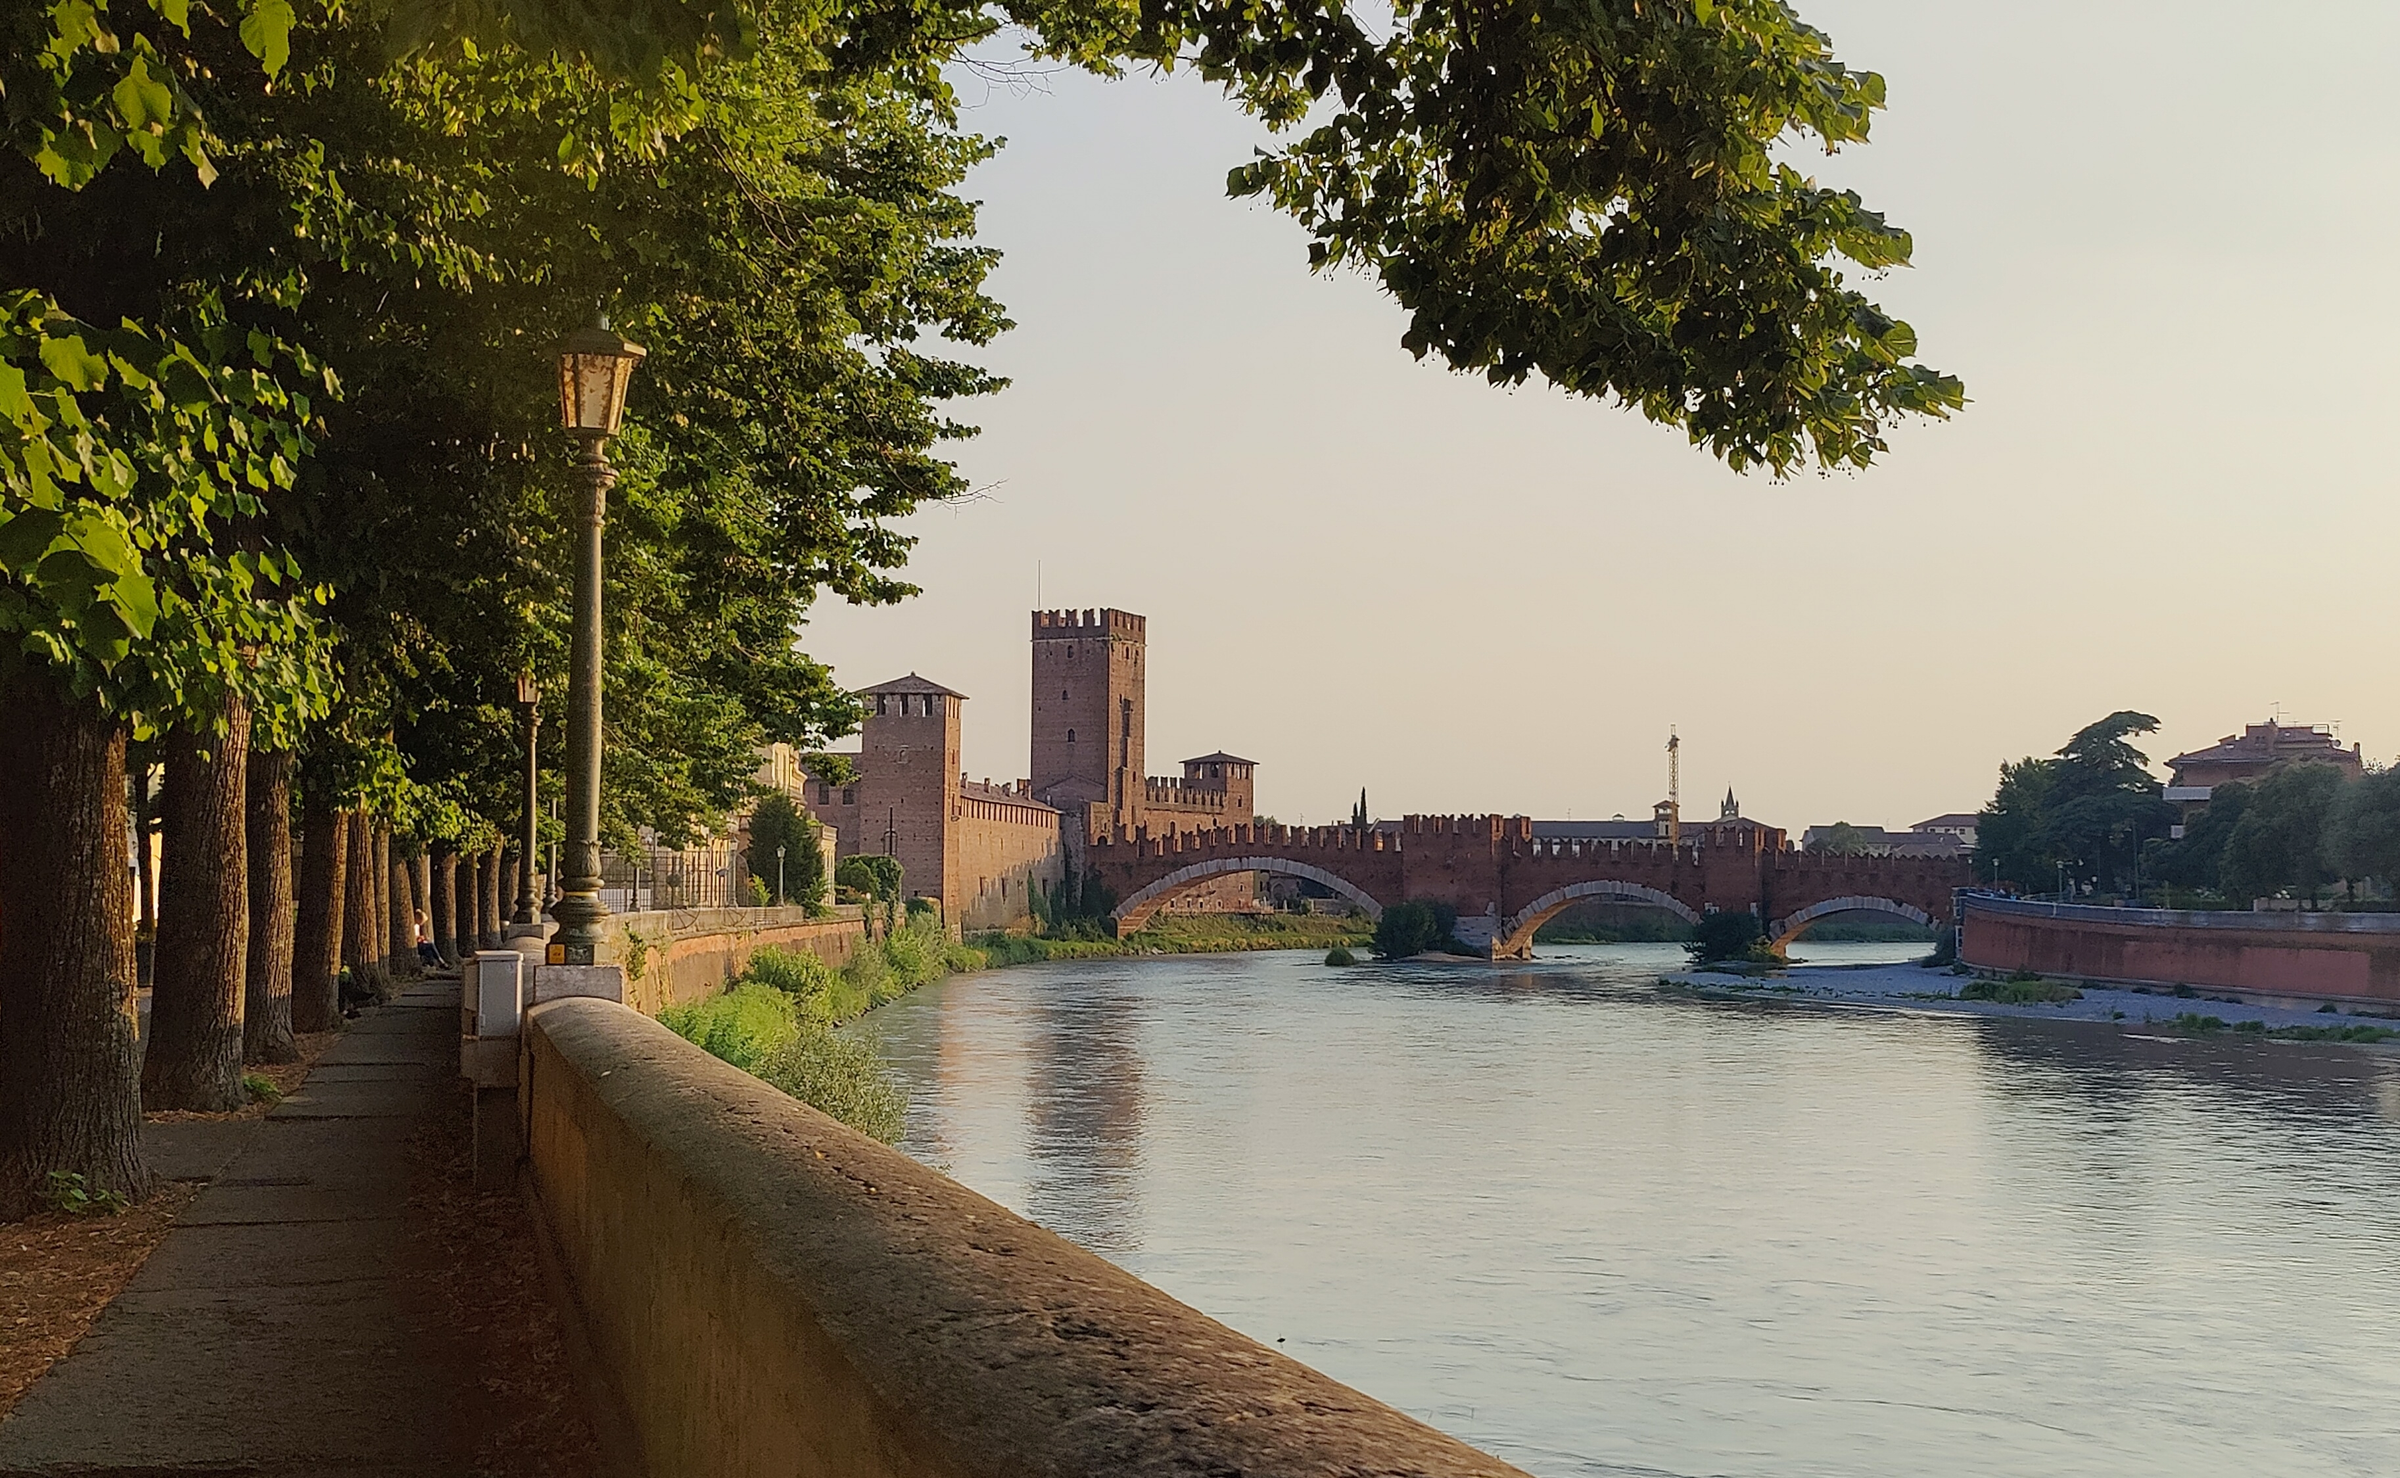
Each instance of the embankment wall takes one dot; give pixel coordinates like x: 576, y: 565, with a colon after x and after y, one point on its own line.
x: 2349, y: 959
x: 772, y: 1293
x: 678, y: 955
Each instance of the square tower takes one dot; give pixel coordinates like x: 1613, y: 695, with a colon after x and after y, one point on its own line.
x: 1088, y: 714
x: 909, y: 777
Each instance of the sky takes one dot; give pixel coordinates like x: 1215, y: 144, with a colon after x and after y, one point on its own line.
x: 2156, y: 240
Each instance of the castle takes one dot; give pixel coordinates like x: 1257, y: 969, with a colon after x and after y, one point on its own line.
x: 980, y: 850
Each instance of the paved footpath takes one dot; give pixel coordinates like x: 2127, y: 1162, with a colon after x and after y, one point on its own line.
x: 286, y: 1326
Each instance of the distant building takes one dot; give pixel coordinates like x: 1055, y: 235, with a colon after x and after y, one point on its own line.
x: 2252, y: 753
x: 1922, y: 840
x: 981, y: 849
x: 1959, y: 824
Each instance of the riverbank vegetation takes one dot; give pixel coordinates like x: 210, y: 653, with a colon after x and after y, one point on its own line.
x: 777, y: 1023
x: 1187, y: 934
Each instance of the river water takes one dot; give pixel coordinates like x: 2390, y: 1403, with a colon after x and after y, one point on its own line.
x: 1597, y: 1230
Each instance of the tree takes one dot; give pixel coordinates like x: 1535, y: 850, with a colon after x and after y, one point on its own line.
x: 1728, y: 936
x: 1840, y: 840
x: 267, y: 998
x: 2362, y: 838
x: 1358, y: 813
x: 2279, y: 842
x: 2092, y: 807
x: 2197, y: 859
x: 1411, y: 928
x: 778, y: 825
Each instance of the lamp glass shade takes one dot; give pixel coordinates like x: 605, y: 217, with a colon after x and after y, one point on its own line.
x: 594, y: 366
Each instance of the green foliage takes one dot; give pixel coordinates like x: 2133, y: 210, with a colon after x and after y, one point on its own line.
x: 1727, y: 936
x: 2020, y: 991
x: 795, y: 972
x: 1340, y: 955
x: 777, y: 822
x: 766, y: 1032
x: 2093, y: 807
x: 2197, y: 859
x: 1412, y: 928
x: 741, y: 1026
x: 2279, y: 840
x: 261, y: 1089
x: 876, y: 876
x: 68, y: 1191
x: 1840, y: 840
x: 2362, y: 836
x: 129, y: 463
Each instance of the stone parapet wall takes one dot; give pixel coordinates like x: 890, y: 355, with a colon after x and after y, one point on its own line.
x: 678, y: 955
x: 770, y: 1293
x: 2348, y: 959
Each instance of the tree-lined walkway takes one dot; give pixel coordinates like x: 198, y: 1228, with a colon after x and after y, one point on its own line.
x: 303, y: 1317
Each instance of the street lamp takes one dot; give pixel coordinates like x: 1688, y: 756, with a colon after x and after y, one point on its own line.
x: 528, y: 917
x: 779, y: 874
x: 594, y: 366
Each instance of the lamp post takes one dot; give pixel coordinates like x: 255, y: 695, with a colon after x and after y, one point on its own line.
x: 528, y: 917
x: 779, y: 874
x: 594, y: 365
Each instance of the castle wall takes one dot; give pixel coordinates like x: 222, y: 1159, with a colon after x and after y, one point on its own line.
x: 1004, y: 849
x: 908, y: 768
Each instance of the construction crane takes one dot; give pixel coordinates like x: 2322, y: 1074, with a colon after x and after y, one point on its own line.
x: 1674, y: 788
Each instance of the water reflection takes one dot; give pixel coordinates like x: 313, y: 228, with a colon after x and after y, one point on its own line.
x: 1600, y: 1230
x: 1083, y: 1110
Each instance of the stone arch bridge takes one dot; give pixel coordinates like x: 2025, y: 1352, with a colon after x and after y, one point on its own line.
x: 1506, y: 883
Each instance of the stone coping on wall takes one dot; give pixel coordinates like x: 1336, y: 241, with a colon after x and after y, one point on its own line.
x: 2179, y: 918
x: 770, y: 1292
x: 677, y: 923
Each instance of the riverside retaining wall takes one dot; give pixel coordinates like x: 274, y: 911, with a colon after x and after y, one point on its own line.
x: 772, y: 1293
x: 676, y: 955
x: 2349, y: 959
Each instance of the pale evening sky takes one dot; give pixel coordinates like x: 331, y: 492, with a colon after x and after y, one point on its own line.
x: 2153, y: 238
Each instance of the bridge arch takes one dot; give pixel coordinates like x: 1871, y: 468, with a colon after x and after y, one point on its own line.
x: 1788, y: 928
x: 1515, y: 938
x: 1135, y: 911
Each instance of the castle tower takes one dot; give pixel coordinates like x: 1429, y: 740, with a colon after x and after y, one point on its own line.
x: 909, y: 763
x: 1088, y: 714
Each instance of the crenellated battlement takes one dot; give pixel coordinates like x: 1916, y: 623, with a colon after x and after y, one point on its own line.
x: 1079, y: 625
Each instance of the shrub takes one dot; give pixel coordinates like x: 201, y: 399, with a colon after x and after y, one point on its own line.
x: 839, y: 1076
x: 1413, y: 928
x: 1340, y: 956
x: 1729, y: 936
x: 261, y: 1089
x: 743, y: 1026
x: 796, y: 973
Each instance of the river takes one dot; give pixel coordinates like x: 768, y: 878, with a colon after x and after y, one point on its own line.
x: 1594, y: 1229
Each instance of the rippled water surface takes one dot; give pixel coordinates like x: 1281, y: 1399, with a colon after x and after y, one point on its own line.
x: 1600, y: 1231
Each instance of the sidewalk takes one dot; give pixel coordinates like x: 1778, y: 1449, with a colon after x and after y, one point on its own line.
x: 293, y: 1322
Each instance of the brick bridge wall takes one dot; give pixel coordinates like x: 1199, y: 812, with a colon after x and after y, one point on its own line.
x: 2350, y: 959
x: 1505, y: 883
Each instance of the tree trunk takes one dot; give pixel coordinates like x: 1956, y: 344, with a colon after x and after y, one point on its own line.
x: 512, y: 881
x: 267, y: 1011
x: 420, y: 899
x: 145, y: 939
x: 495, y: 917
x: 194, y: 1058
x: 463, y: 907
x: 379, y: 922
x: 70, y: 1045
x: 404, y: 929
x: 444, y: 889
x: 317, y: 941
x: 358, y: 894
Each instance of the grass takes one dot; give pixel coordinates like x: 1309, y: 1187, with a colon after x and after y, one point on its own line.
x: 2020, y: 990
x: 2209, y: 1026
x: 261, y: 1089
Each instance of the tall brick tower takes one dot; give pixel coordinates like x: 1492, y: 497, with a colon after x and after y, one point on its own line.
x: 1088, y: 715
x: 909, y: 758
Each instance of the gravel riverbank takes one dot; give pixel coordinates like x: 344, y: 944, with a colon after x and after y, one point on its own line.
x: 1916, y: 988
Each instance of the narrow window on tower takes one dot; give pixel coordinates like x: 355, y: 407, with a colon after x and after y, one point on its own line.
x: 1070, y: 736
